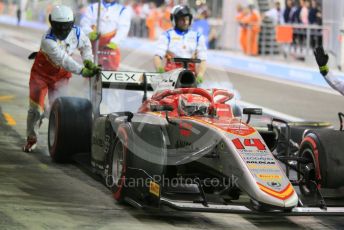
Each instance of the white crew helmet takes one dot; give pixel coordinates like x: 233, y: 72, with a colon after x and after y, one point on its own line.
x: 61, y: 20
x: 62, y: 13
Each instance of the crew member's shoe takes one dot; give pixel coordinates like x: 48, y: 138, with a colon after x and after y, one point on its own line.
x: 30, y: 145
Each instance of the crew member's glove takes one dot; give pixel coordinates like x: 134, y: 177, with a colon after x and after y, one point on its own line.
x: 93, y: 36
x: 322, y: 58
x: 199, y: 79
x: 112, y: 46
x: 86, y: 72
x: 90, y: 65
x: 161, y: 70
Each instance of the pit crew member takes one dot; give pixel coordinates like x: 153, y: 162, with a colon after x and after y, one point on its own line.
x: 181, y: 42
x: 322, y: 60
x: 53, y: 66
x: 113, y: 29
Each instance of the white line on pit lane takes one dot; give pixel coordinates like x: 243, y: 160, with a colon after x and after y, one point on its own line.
x: 242, y: 103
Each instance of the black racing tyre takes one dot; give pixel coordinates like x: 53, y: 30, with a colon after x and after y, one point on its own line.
x: 325, y: 148
x: 297, y: 130
x: 117, y: 164
x: 311, y: 179
x: 70, y: 128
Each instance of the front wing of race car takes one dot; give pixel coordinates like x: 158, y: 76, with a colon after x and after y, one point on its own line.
x: 241, y: 209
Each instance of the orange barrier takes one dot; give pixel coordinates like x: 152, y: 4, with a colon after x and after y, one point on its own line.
x: 284, y: 34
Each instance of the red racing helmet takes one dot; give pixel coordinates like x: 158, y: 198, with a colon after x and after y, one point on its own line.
x: 191, y: 104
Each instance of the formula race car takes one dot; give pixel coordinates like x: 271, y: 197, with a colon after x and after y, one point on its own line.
x: 185, y: 149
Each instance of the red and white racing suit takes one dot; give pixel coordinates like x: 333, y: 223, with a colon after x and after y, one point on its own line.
x: 51, y: 70
x: 114, y: 25
x: 181, y: 44
x: 335, y: 82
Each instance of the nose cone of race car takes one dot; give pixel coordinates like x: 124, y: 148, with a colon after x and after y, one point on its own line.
x: 272, y: 190
x: 283, y: 199
x: 292, y: 201
x: 262, y: 177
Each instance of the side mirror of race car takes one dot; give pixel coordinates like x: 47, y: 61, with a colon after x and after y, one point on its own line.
x: 163, y: 108
x: 252, y: 111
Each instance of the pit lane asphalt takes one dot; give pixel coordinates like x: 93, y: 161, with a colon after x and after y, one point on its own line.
x: 38, y: 194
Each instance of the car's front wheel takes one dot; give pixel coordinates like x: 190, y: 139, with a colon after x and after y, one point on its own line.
x: 310, y: 181
x: 117, y: 162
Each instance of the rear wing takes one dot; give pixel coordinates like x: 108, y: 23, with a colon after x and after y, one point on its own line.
x: 140, y: 81
x: 126, y: 80
x: 129, y: 80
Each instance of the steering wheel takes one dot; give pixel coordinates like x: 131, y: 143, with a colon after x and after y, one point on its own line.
x: 198, y: 91
x: 186, y: 61
x: 226, y: 96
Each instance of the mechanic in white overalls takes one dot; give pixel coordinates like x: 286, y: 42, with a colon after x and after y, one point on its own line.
x: 114, y: 25
x: 53, y: 66
x: 322, y: 60
x: 181, y: 42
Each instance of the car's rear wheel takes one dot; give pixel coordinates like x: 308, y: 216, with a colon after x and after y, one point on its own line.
x: 70, y: 128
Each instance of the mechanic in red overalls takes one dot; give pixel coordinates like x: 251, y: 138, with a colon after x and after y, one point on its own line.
x: 181, y: 42
x: 114, y: 25
x: 53, y: 66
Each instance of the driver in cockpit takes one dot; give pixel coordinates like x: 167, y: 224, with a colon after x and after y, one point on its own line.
x: 181, y: 42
